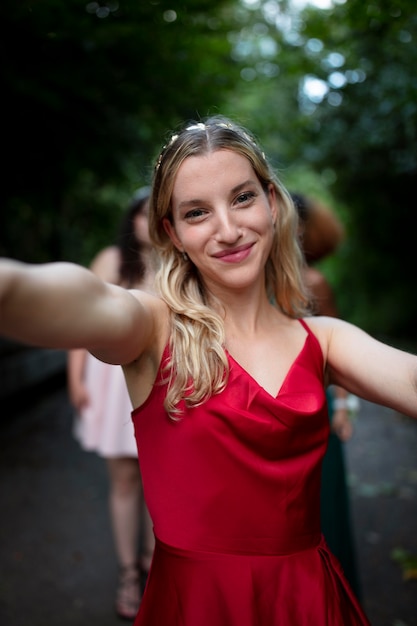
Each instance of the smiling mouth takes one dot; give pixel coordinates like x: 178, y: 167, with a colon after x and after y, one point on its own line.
x: 234, y: 254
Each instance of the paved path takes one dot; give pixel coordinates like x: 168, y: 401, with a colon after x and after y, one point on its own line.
x: 57, y: 561
x: 382, y: 466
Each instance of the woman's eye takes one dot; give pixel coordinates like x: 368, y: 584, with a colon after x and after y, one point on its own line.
x: 194, y: 214
x: 245, y: 198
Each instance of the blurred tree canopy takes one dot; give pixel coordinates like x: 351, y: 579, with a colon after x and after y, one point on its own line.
x: 365, y: 131
x: 91, y: 88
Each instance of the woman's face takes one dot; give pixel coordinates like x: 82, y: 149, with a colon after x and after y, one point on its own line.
x: 222, y: 218
x: 141, y: 224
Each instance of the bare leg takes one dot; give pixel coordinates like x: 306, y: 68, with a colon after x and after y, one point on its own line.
x: 125, y: 503
x: 148, y: 539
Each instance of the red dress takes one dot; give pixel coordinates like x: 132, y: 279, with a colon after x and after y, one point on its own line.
x: 233, y: 489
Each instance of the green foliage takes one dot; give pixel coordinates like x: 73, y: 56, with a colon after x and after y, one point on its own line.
x: 366, y: 131
x: 91, y: 89
x: 407, y: 562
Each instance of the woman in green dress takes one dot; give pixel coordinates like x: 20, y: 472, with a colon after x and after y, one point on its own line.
x: 321, y: 234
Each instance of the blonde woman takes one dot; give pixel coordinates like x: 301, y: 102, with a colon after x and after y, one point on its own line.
x: 226, y: 371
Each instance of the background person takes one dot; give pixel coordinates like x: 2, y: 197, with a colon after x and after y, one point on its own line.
x: 99, y: 394
x: 321, y: 233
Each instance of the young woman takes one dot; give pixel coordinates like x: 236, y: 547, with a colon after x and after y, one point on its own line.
x: 99, y: 394
x: 227, y: 373
x: 321, y: 233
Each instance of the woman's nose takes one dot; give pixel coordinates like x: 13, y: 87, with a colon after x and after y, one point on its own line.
x: 228, y: 229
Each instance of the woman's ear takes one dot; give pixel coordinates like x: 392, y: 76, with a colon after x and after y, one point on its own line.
x: 273, y: 202
x: 170, y: 231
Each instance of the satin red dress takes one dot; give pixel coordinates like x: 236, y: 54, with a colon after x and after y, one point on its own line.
x: 233, y: 489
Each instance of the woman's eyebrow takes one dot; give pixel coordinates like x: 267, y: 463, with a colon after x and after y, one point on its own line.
x: 241, y: 186
x: 189, y: 203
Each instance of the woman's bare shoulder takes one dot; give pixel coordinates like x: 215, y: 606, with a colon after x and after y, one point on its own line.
x: 158, y: 311
x: 325, y: 325
x: 313, y: 277
x: 140, y: 373
x: 106, y: 264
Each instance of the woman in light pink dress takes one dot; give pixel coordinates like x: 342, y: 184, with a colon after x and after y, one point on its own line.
x: 103, y: 424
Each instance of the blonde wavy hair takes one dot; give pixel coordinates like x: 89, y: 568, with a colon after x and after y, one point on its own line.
x: 198, y: 366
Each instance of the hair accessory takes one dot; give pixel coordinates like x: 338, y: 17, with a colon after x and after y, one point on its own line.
x: 203, y: 127
x: 171, y: 141
x: 198, y: 126
x: 158, y: 163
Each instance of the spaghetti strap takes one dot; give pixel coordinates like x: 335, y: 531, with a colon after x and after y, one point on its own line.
x: 306, y: 326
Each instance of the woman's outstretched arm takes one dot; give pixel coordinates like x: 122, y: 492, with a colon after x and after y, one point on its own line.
x: 62, y: 305
x: 366, y: 367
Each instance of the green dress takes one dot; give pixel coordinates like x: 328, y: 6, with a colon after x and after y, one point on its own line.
x: 335, y: 509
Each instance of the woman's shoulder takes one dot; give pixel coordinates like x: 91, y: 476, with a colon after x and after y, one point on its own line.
x: 106, y: 264
x: 323, y: 324
x: 322, y: 327
x: 141, y: 372
x: 158, y: 311
x: 314, y: 277
x: 330, y: 330
x: 323, y: 298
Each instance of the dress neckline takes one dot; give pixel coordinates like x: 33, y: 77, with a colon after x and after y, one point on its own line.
x: 308, y: 336
x: 287, y: 375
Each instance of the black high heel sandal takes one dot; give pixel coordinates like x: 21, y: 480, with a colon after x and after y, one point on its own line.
x: 128, y: 596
